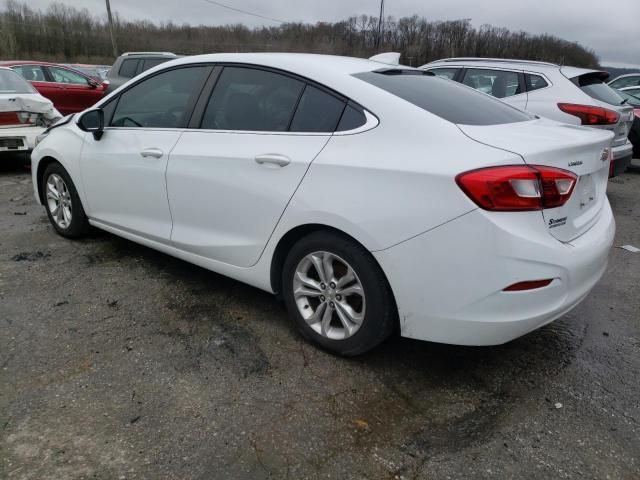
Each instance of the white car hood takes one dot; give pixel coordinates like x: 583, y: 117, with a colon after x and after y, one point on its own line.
x: 29, y: 103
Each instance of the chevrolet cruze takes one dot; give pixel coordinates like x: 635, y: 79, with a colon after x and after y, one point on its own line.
x: 372, y: 198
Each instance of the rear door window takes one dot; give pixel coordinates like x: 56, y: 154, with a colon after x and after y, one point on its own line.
x: 128, y: 68
x: 152, y: 62
x: 498, y: 83
x: 448, y: 100
x: 593, y: 85
x: 318, y: 111
x: 252, y: 99
x: 625, y: 82
x: 33, y: 73
x: 534, y: 82
x: 447, y: 73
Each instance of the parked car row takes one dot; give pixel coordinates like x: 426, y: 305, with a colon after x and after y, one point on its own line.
x: 75, y: 87
x: 570, y: 95
x: 373, y: 198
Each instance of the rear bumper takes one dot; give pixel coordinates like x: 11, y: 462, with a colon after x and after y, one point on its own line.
x: 19, y: 139
x: 448, y: 283
x: 620, y: 159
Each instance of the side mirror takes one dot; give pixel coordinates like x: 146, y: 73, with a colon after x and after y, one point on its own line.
x: 92, y: 121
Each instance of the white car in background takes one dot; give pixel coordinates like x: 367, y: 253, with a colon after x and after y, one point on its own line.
x: 623, y: 81
x: 571, y: 95
x: 372, y: 198
x: 24, y: 113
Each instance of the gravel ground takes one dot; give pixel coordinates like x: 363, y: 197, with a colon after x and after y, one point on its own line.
x: 118, y: 362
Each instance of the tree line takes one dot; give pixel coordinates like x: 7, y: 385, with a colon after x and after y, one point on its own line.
x: 66, y: 34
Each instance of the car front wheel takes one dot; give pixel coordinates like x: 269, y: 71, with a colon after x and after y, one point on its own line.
x: 62, y: 202
x: 337, y: 294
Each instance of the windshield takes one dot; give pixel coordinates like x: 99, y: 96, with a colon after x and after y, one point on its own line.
x: 444, y: 98
x: 11, y: 82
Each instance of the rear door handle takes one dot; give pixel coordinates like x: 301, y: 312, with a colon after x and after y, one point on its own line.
x: 152, y: 152
x: 273, y: 159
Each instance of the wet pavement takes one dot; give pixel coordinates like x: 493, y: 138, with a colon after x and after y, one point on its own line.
x: 118, y: 362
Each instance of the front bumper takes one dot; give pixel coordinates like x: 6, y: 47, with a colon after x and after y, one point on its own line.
x: 620, y: 159
x: 448, y: 283
x: 19, y: 139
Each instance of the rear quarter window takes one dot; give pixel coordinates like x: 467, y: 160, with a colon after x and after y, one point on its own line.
x: 448, y: 100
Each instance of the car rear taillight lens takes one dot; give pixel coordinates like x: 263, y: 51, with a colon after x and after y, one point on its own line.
x: 590, y: 115
x: 517, y: 187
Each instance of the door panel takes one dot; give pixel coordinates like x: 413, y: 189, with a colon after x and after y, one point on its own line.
x: 124, y: 179
x: 227, y: 191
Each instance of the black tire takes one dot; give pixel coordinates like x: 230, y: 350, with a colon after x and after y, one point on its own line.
x: 79, y: 225
x: 380, y: 314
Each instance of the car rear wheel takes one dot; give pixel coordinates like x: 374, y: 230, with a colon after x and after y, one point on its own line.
x: 337, y: 294
x: 62, y: 203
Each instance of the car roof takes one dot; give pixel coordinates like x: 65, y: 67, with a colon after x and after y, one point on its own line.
x: 530, y: 65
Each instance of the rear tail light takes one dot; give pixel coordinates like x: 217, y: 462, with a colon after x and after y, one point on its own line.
x: 636, y: 112
x: 590, y: 115
x: 517, y: 187
x: 17, y: 118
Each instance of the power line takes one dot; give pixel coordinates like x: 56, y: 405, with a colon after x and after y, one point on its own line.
x: 212, y: 2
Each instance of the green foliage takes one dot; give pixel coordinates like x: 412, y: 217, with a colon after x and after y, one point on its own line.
x: 63, y: 33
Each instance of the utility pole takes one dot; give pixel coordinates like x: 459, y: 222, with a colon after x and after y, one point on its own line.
x: 113, y: 38
x: 379, y: 26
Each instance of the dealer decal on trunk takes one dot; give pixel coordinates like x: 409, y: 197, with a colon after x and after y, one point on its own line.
x: 557, y: 222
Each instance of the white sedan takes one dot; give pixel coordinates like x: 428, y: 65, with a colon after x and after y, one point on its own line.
x: 24, y: 113
x: 372, y: 198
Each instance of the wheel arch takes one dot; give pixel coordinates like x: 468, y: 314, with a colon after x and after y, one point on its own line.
x: 291, y: 237
x: 42, y: 166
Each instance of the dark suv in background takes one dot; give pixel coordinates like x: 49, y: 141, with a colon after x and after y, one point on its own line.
x: 130, y: 64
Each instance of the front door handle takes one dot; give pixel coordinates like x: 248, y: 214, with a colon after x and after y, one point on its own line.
x: 273, y: 159
x: 152, y: 152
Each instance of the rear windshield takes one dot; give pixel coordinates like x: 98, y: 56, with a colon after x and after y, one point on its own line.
x: 11, y: 82
x: 444, y: 98
x: 592, y: 85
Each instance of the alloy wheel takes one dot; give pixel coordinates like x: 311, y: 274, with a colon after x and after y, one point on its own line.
x: 59, y: 201
x: 329, y: 295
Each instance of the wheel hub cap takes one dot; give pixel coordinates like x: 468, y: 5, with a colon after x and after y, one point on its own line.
x: 329, y: 295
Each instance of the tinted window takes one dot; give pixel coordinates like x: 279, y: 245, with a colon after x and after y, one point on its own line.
x: 128, y: 68
x: 351, y: 118
x: 592, y: 85
x: 152, y: 62
x: 446, y: 99
x: 162, y: 101
x: 317, y: 111
x: 252, y: 99
x: 498, y: 83
x: 534, y: 82
x: 447, y: 73
x: 61, y: 75
x: 633, y: 91
x: 33, y: 73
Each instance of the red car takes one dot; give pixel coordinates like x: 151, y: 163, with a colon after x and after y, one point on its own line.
x: 70, y: 90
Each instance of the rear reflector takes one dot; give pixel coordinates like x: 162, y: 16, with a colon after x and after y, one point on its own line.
x: 590, y: 115
x: 528, y: 285
x: 518, y: 187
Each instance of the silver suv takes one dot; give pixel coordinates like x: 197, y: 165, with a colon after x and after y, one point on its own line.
x: 131, y: 64
x: 567, y: 94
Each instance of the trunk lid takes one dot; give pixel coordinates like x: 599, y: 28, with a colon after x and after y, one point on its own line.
x: 576, y: 149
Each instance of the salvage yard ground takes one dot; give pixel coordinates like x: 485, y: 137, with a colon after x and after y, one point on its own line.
x: 118, y: 362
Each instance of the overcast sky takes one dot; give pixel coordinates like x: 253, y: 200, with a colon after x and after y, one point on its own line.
x: 612, y: 29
